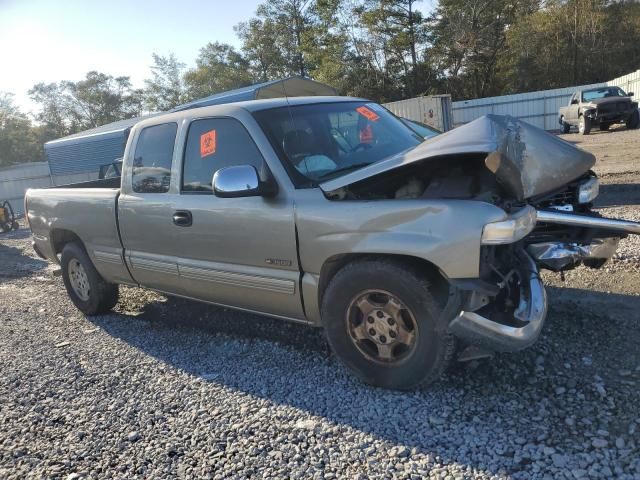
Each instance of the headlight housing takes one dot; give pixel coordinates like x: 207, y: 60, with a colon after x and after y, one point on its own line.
x: 588, y: 190
x: 514, y: 228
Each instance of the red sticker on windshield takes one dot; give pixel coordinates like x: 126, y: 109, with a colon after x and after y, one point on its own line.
x: 208, y: 143
x: 366, y: 135
x: 368, y: 113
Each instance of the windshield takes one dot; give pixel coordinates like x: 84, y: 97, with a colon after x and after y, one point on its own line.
x: 422, y: 129
x: 597, y: 93
x: 322, y: 141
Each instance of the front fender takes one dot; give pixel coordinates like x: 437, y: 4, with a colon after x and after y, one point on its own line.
x: 446, y: 233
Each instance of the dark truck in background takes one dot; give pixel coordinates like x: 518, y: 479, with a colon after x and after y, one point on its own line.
x: 601, y: 107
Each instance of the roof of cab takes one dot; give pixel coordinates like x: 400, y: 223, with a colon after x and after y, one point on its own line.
x: 249, y: 105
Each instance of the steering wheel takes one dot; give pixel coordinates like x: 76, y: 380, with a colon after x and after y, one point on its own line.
x: 340, y: 140
x: 360, y: 146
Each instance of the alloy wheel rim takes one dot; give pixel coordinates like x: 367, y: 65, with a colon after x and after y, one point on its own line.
x: 79, y: 280
x: 381, y: 327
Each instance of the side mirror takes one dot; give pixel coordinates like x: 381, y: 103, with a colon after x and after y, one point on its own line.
x: 629, y: 94
x: 574, y: 101
x: 241, y: 181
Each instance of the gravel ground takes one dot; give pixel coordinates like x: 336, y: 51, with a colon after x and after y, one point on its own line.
x: 170, y: 388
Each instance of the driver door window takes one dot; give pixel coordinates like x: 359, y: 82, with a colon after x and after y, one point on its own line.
x: 212, y: 144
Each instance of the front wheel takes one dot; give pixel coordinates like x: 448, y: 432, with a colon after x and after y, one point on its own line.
x: 383, y: 322
x: 584, y: 125
x: 634, y: 120
x: 566, y: 128
x: 88, y: 291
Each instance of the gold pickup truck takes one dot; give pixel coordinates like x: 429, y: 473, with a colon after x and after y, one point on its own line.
x: 333, y: 212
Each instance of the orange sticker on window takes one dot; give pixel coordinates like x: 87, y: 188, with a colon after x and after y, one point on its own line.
x: 367, y: 113
x: 208, y: 143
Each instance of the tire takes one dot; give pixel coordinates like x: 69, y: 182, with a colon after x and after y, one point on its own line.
x: 383, y: 283
x: 604, y: 127
x: 634, y: 120
x: 101, y: 296
x: 584, y: 125
x: 566, y: 128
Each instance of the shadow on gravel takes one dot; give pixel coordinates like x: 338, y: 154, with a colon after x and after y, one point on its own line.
x: 618, y: 194
x: 14, y: 263
x: 509, y: 398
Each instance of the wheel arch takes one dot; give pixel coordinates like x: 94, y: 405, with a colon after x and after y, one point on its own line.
x: 61, y: 237
x: 334, y: 264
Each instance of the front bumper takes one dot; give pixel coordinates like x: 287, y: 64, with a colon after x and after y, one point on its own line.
x: 599, y: 223
x: 609, y: 116
x: 531, y: 313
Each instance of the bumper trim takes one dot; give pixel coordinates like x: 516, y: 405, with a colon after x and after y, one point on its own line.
x: 625, y: 226
x: 558, y: 256
x: 36, y: 249
x: 482, y: 331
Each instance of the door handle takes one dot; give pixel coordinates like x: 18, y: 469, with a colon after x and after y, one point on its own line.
x: 182, y: 218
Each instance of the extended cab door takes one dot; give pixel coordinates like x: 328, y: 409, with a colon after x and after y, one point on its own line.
x: 145, y: 207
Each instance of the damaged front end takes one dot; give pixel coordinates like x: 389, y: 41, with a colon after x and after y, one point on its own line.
x: 546, y: 188
x: 504, y: 310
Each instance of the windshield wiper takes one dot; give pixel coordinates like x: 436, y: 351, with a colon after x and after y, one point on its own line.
x: 355, y: 166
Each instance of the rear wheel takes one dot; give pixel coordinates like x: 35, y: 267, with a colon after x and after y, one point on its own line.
x: 566, y: 128
x: 634, y: 120
x: 383, y: 322
x: 584, y: 125
x: 88, y: 291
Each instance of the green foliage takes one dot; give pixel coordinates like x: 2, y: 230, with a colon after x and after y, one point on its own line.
x: 19, y: 140
x: 219, y: 67
x: 69, y: 107
x: 571, y: 43
x: 165, y: 89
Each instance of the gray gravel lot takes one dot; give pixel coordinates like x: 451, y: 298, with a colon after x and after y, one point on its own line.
x: 169, y: 388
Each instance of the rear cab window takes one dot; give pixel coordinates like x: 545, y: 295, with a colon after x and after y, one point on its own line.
x: 212, y: 144
x: 151, y: 170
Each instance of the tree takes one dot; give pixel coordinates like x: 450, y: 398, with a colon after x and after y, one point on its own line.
x: 468, y: 38
x: 19, y: 141
x: 275, y: 39
x: 219, y: 67
x: 101, y: 99
x: 53, y: 114
x: 266, y: 61
x: 402, y: 33
x: 165, y: 89
x: 69, y: 107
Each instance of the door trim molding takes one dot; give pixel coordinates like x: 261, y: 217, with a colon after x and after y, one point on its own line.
x: 276, y: 285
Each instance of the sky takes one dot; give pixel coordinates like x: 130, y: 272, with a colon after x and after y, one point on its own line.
x: 53, y: 40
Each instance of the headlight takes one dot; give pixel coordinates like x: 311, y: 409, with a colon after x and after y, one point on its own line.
x: 514, y: 228
x: 588, y: 190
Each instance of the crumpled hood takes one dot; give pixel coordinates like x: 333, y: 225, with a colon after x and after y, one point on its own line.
x: 526, y: 160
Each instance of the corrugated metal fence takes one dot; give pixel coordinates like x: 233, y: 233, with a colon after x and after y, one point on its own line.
x: 538, y: 108
x: 434, y: 110
x: 15, y: 180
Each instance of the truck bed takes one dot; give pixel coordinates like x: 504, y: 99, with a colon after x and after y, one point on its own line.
x: 88, y: 213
